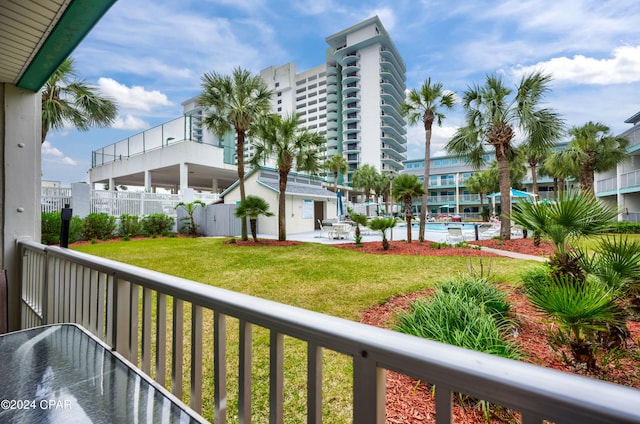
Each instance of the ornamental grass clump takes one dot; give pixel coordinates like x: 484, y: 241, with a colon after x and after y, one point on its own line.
x: 466, y: 312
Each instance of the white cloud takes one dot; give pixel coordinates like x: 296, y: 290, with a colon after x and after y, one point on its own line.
x: 440, y: 136
x: 386, y: 15
x: 53, y: 154
x: 623, y: 67
x: 129, y: 122
x: 135, y: 97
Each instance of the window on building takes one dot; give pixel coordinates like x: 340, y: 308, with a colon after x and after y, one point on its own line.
x: 279, y: 109
x: 312, y: 77
x: 279, y: 93
x: 279, y: 101
x: 277, y: 84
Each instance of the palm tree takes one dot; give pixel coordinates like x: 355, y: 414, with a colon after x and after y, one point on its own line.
x: 405, y: 188
x: 365, y: 177
x: 191, y: 228
x: 252, y: 207
x: 594, y: 149
x: 534, y: 156
x: 291, y: 147
x: 482, y: 183
x: 491, y: 118
x: 382, y: 225
x: 382, y: 186
x: 426, y: 105
x: 68, y: 99
x: 560, y: 167
x: 336, y: 165
x: 234, y: 103
x: 359, y: 219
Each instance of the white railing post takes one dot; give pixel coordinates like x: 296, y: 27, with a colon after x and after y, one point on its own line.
x: 368, y: 391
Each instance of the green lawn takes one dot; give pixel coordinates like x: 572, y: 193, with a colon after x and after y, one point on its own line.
x: 318, y: 277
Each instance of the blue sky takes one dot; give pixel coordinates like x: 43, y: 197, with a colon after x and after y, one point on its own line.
x: 149, y: 55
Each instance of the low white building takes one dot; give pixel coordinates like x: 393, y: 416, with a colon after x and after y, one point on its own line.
x: 306, y: 200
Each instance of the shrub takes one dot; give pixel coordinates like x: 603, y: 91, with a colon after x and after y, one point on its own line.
x: 98, y: 226
x: 458, y: 315
x: 52, y: 225
x: 580, y: 308
x: 623, y: 227
x: 130, y: 226
x: 480, y: 291
x: 155, y: 224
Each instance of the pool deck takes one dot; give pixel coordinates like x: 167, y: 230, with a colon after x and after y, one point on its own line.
x: 397, y: 234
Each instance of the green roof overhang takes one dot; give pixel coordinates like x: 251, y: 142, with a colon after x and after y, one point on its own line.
x: 76, y: 22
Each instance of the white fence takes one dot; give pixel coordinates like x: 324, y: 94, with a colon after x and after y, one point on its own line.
x: 149, y: 318
x: 85, y: 200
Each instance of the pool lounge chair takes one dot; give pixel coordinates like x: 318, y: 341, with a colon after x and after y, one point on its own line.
x: 454, y: 235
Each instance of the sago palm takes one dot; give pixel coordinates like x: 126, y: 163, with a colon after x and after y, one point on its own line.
x: 426, y: 105
x: 252, y: 207
x: 292, y: 148
x: 234, y: 103
x: 580, y: 308
x: 406, y: 187
x: 67, y: 99
x: 573, y: 215
x: 493, y: 113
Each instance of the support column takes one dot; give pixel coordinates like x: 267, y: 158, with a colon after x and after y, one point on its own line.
x: 214, y: 185
x: 147, y: 181
x: 184, y: 176
x: 20, y: 184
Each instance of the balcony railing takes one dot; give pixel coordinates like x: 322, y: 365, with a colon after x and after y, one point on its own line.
x: 607, y: 184
x: 128, y: 308
x: 630, y: 179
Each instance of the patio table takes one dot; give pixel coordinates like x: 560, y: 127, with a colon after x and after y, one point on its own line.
x: 62, y: 374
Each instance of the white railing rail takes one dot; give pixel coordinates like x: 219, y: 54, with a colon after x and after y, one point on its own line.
x: 116, y: 203
x: 128, y: 308
x: 53, y: 199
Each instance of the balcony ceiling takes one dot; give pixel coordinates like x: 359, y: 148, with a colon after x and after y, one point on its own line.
x: 37, y: 35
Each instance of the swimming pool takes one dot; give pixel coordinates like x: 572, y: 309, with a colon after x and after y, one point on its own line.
x: 442, y: 226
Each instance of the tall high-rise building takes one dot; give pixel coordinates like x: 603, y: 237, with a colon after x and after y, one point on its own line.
x: 353, y: 98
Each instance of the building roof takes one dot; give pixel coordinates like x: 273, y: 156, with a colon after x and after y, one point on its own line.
x: 300, y: 185
x: 633, y: 120
x: 36, y: 37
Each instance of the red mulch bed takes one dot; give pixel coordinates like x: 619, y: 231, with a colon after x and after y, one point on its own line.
x: 410, y: 401
x: 427, y: 248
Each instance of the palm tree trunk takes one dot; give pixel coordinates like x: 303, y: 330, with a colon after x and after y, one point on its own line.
x: 428, y: 123
x: 534, y: 177
x: 282, y: 213
x: 407, y: 216
x: 504, y: 179
x: 254, y: 229
x: 586, y: 178
x: 240, y: 160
